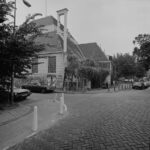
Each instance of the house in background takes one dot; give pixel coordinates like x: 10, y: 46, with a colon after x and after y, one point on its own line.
x: 50, y: 64
x: 51, y: 59
x: 94, y: 52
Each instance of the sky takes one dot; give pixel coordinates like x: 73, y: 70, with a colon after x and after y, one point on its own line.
x: 112, y: 24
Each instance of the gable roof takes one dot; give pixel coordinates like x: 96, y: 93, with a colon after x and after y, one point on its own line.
x: 49, y: 20
x: 93, y: 51
x: 53, y: 43
x: 50, y: 41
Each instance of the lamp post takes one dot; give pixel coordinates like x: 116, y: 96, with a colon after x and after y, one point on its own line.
x: 13, y: 66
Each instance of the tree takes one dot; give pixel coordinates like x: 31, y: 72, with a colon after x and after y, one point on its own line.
x: 91, y: 70
x: 5, y: 10
x: 139, y: 70
x: 87, y: 69
x: 73, y: 65
x: 142, y: 50
x: 5, y: 32
x: 124, y: 65
x: 17, y: 48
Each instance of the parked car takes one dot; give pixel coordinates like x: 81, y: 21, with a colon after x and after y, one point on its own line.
x: 139, y: 85
x: 37, y: 87
x: 146, y: 82
x: 19, y: 94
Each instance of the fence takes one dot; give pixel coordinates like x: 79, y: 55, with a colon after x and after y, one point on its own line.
x: 122, y: 86
x: 74, y: 86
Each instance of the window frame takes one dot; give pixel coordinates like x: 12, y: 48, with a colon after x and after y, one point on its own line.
x: 35, y: 66
x: 52, y: 67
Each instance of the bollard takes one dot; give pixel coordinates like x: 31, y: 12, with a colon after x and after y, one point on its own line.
x: 65, y: 107
x: 62, y: 104
x: 55, y: 97
x: 35, y: 119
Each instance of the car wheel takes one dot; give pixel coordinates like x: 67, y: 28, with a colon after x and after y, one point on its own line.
x: 134, y: 87
x: 43, y: 91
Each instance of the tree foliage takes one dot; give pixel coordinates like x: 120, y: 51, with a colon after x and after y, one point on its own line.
x: 141, y: 39
x: 93, y: 72
x: 142, y: 49
x: 16, y: 48
x: 123, y: 65
x: 139, y: 70
x: 87, y: 69
x: 73, y: 66
x: 5, y: 10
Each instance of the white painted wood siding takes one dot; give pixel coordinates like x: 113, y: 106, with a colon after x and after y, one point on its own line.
x: 59, y: 64
x: 43, y: 67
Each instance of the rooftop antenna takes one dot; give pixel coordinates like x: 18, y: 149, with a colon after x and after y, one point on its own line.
x: 45, y: 8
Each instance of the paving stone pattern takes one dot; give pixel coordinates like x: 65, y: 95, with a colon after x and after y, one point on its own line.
x: 104, y: 121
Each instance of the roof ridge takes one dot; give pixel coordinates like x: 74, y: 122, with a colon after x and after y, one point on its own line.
x: 43, y: 18
x: 88, y: 43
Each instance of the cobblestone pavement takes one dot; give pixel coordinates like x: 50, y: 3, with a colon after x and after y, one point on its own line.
x: 104, y: 121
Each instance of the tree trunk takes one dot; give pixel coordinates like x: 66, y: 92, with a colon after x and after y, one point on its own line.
x: 12, y: 86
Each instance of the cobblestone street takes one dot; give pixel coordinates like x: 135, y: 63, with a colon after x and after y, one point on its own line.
x: 107, y: 121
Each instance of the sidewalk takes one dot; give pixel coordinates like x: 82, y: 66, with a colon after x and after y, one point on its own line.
x: 17, y: 124
x: 13, y: 113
